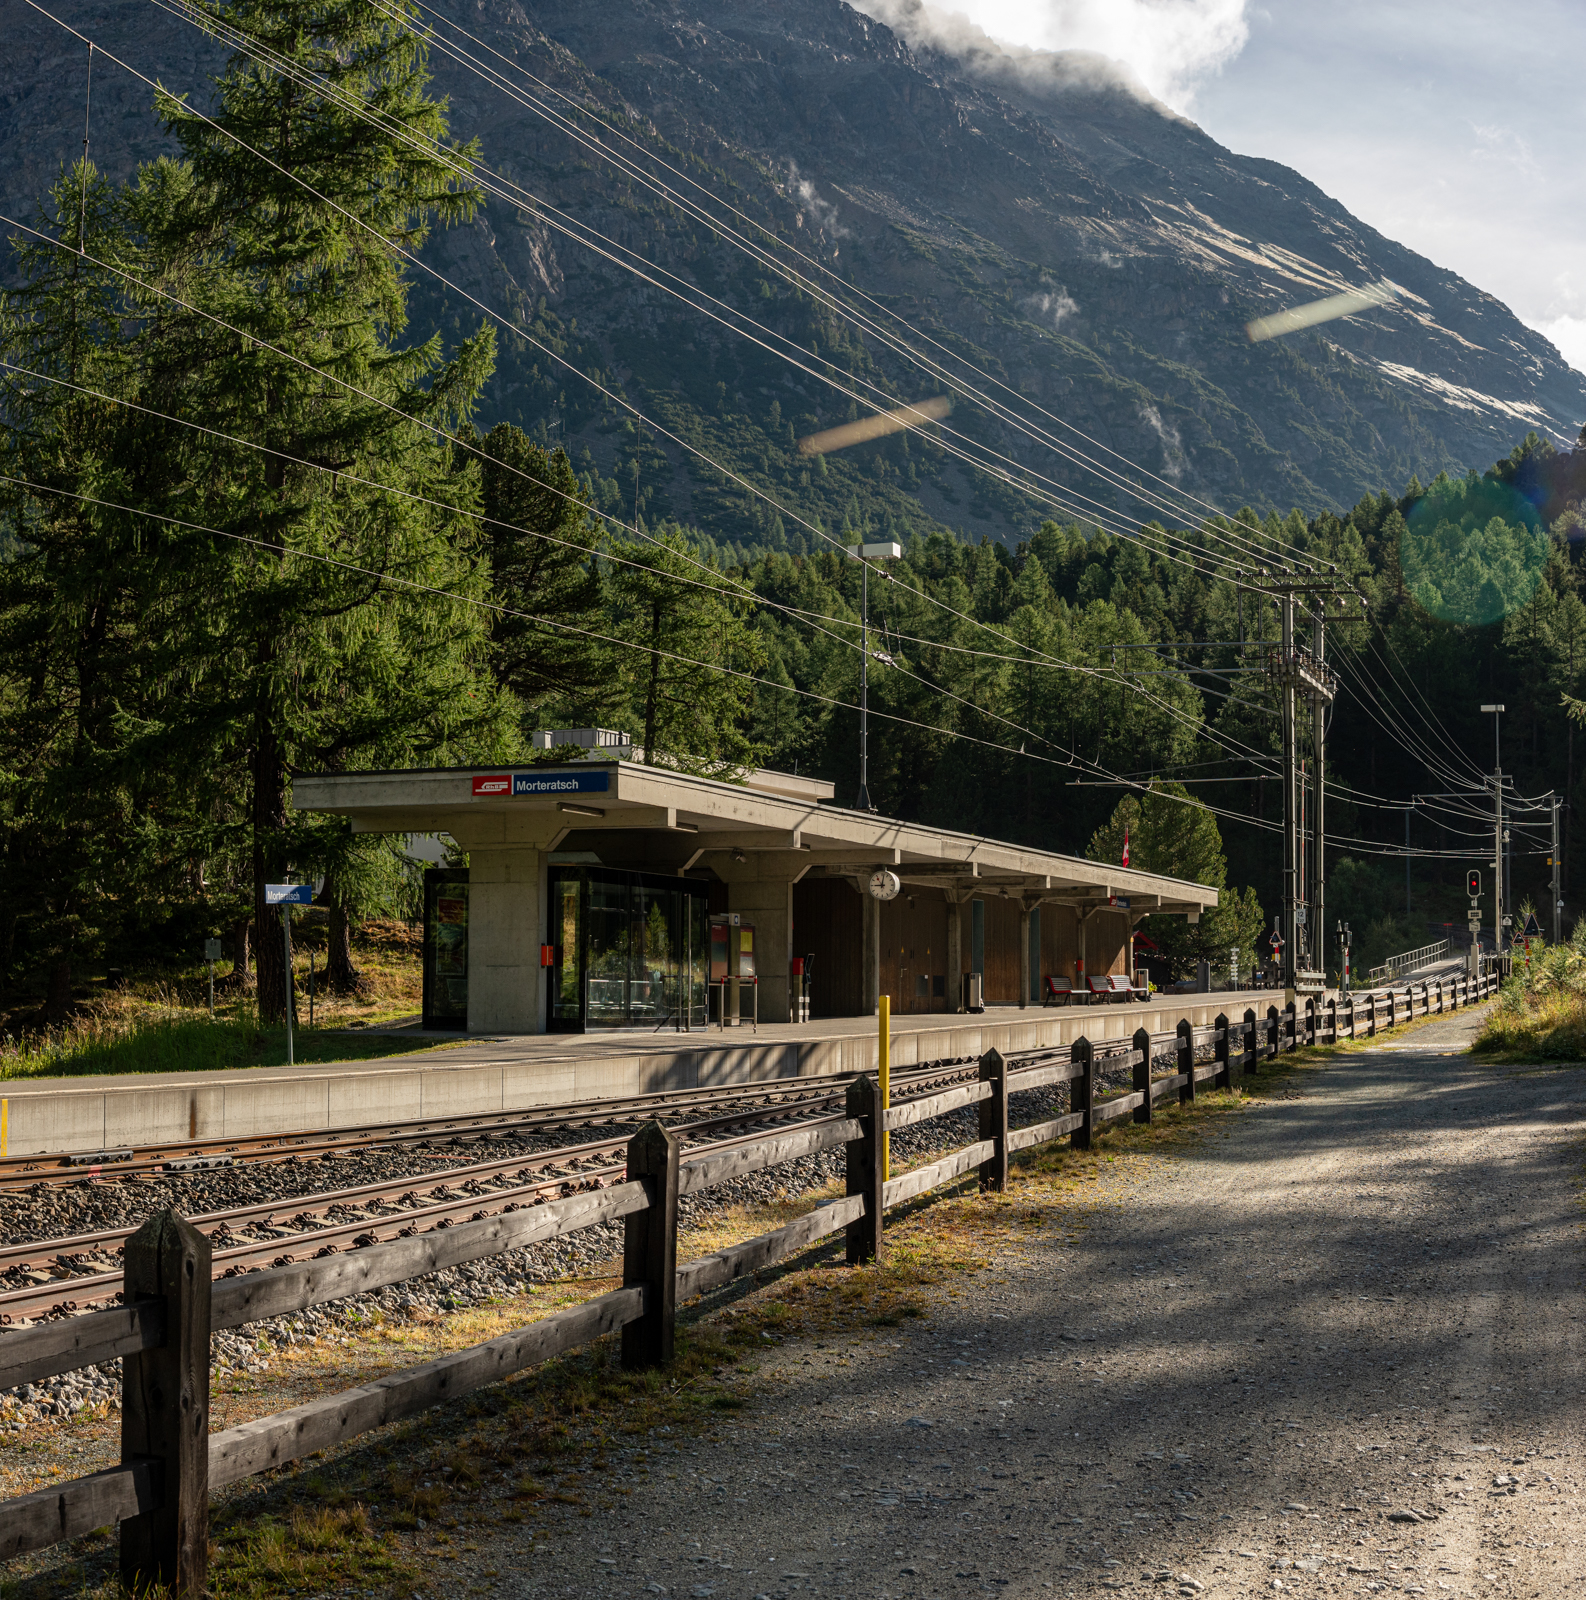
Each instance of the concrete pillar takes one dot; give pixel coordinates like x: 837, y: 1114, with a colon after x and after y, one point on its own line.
x: 955, y: 952
x: 1024, y: 952
x: 506, y: 926
x: 760, y: 890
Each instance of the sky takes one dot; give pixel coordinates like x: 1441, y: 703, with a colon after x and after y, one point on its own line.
x: 1456, y: 127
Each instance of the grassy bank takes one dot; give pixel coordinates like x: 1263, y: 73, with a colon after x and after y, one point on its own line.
x: 1540, y: 1014
x: 157, y: 1019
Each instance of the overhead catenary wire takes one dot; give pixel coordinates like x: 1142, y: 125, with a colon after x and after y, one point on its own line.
x: 275, y: 548
x: 813, y: 262
x: 1201, y: 727
x: 610, y: 249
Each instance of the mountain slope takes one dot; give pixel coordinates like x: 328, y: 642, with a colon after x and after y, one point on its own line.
x: 1094, y: 252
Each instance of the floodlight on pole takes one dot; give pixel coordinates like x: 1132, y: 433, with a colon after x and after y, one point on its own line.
x: 887, y: 550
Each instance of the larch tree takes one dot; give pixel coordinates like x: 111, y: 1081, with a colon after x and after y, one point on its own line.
x: 343, y: 570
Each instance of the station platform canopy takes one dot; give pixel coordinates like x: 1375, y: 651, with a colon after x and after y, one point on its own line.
x: 772, y: 850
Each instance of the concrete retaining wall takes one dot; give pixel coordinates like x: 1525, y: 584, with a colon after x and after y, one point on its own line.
x: 58, y: 1116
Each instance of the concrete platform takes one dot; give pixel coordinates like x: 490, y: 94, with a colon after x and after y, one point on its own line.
x: 467, y: 1075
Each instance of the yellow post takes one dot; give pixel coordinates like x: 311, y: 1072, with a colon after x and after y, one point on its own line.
x: 884, y: 1063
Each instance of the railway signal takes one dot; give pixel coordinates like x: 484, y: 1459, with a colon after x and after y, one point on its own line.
x: 1473, y: 884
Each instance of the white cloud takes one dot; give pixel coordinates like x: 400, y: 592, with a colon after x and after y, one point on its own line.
x: 822, y: 213
x: 1569, y: 334
x: 1165, y: 47
x: 1172, y: 442
x: 1053, y: 307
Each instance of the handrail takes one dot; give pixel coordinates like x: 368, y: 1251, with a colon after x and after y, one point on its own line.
x: 1410, y: 960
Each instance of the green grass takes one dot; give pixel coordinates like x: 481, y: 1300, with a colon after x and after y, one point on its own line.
x: 149, y: 1040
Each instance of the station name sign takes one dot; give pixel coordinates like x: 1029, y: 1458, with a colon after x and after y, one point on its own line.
x: 492, y: 784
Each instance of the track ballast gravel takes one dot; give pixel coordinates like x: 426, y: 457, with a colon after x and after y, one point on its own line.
x: 1339, y: 1352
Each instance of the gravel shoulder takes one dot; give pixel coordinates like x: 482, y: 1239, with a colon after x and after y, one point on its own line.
x: 1339, y: 1351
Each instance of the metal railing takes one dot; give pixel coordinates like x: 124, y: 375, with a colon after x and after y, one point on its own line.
x: 1410, y: 960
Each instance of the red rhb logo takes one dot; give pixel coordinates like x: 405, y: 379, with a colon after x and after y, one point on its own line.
x: 496, y: 783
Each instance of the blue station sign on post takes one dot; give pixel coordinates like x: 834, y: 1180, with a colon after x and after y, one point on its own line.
x: 287, y: 895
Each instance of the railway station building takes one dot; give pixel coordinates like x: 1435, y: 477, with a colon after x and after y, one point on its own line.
x: 603, y: 894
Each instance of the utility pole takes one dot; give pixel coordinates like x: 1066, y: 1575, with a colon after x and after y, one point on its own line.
x: 866, y: 553
x: 1558, y: 890
x: 1296, y: 669
x: 1319, y: 706
x: 1495, y: 712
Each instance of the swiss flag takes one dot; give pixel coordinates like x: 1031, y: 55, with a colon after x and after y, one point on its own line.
x: 1126, y: 844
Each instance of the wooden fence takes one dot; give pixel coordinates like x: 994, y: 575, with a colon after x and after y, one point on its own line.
x: 170, y: 1461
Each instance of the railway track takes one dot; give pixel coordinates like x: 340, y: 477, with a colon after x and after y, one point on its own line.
x: 82, y: 1267
x: 197, y: 1155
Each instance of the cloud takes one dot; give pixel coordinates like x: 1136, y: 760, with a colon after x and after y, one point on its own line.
x: 1569, y: 334
x: 1172, y: 443
x: 1052, y: 307
x: 1155, y: 49
x: 822, y: 213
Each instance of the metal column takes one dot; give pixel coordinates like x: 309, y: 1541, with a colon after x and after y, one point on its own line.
x: 1558, y: 893
x: 1291, y: 809
x: 1318, y: 914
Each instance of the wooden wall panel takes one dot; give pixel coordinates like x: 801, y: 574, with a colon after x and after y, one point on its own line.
x: 1059, y: 941
x: 914, y: 952
x: 1106, y: 942
x: 1002, y: 951
x: 828, y: 921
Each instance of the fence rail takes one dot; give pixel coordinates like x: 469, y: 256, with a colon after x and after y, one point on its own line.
x: 159, y: 1493
x: 1409, y: 961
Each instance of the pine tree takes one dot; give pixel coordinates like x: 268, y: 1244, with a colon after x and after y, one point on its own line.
x: 543, y: 555
x: 287, y: 220
x: 681, y: 636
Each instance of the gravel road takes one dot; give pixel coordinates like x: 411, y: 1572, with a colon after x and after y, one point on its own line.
x: 1338, y: 1352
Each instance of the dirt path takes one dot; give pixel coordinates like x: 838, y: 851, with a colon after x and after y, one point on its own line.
x: 1261, y: 1364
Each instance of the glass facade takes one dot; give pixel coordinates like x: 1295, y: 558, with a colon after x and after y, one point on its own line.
x: 631, y: 950
x: 445, y: 948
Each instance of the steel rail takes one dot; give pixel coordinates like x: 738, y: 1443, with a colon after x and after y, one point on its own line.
x: 77, y: 1168
x: 64, y: 1295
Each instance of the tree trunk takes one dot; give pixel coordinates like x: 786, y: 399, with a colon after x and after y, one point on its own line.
x: 269, y: 859
x: 240, y: 978
x: 341, y: 976
x: 652, y: 691
x: 58, y: 1000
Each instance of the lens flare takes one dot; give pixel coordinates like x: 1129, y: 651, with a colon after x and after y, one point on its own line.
x: 1334, y: 306
x: 876, y: 427
x: 1473, y: 550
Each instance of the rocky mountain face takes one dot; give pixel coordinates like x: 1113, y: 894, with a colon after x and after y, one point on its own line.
x: 1086, y: 255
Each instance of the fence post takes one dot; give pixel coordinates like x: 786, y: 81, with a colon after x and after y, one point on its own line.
x: 1222, y: 1053
x: 1142, y: 1072
x: 864, y: 1171
x: 1439, y: 997
x: 1393, y: 1010
x: 1371, y: 1016
x: 1310, y: 1019
x: 649, y: 1257
x: 1272, y: 1032
x: 165, y: 1408
x: 1332, y: 1020
x: 994, y: 1120
x: 1186, y: 1061
x: 1247, y: 1050
x: 1082, y: 1093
